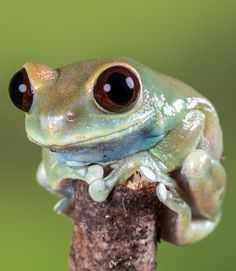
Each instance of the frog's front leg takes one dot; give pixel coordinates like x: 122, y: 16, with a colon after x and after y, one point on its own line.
x: 156, y: 160
x: 60, y: 179
x: 99, y: 189
x: 65, y: 205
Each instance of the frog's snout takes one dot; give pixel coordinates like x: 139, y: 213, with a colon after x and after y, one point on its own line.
x: 47, y: 130
x: 52, y: 125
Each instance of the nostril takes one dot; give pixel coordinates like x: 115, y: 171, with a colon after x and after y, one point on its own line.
x: 70, y: 116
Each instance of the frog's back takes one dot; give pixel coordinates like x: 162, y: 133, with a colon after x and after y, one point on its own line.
x: 177, y: 86
x: 161, y: 83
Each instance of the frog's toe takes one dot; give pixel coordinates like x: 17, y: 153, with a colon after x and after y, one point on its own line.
x: 172, y: 200
x: 98, y: 190
x: 162, y: 192
x: 148, y: 174
x: 94, y: 172
x: 153, y: 175
x: 65, y: 206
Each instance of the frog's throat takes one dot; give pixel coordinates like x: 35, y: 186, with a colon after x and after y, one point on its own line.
x: 109, y: 151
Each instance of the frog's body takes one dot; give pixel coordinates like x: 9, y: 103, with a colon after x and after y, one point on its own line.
x: 171, y: 127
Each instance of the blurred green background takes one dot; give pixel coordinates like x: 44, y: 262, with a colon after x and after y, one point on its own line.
x: 192, y: 40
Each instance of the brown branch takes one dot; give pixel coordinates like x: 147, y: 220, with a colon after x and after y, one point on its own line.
x: 120, y: 233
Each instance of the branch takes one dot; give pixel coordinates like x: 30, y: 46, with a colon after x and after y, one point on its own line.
x: 120, y: 233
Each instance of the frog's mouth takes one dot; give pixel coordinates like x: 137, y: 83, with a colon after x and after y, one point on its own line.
x: 96, y: 150
x: 75, y: 151
x: 72, y: 142
x: 101, y: 139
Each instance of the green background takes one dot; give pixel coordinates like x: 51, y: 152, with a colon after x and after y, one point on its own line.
x: 192, y: 40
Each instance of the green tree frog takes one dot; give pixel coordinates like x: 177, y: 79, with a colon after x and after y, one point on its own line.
x: 122, y: 114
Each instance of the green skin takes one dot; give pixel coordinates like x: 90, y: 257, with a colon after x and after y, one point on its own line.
x: 170, y: 128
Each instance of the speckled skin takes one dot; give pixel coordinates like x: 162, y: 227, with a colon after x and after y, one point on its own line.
x: 170, y: 128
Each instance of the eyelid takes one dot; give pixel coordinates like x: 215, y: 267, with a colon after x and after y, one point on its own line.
x: 91, y: 81
x: 40, y: 74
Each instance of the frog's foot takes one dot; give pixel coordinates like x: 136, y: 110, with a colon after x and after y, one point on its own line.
x: 99, y: 187
x: 119, y: 172
x: 94, y: 177
x: 93, y: 173
x: 171, y: 199
x: 152, y: 174
x: 203, y: 180
x: 99, y: 190
x: 184, y: 229
x: 122, y: 170
x: 66, y: 190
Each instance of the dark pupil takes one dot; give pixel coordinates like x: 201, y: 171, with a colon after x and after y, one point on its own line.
x: 119, y: 88
x: 20, y: 90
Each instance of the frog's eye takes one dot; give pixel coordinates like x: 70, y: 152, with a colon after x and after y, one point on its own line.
x: 117, y: 89
x: 20, y: 90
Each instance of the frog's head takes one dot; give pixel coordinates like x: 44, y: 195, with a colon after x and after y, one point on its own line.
x: 86, y: 103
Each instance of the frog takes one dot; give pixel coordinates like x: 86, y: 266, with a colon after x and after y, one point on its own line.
x: 121, y: 114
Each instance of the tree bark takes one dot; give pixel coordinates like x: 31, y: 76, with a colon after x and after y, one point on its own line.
x: 118, y: 234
